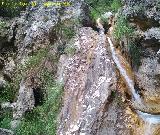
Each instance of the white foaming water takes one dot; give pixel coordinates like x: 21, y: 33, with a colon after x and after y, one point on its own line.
x: 150, y: 120
x: 129, y: 82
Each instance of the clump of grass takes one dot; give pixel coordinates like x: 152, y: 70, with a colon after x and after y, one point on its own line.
x: 43, y: 119
x: 68, y: 32
x: 2, y: 24
x: 70, y: 50
x: 5, y: 118
x: 116, y: 4
x: 122, y: 28
x: 7, y: 93
x: 98, y: 8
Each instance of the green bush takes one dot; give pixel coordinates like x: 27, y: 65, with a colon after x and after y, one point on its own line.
x: 7, y: 93
x: 43, y: 119
x: 122, y: 28
x: 68, y: 32
x: 70, y: 50
x: 5, y: 118
x: 116, y: 4
x: 99, y: 7
x: 2, y: 24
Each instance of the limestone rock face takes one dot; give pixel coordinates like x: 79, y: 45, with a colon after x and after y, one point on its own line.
x: 145, y: 15
x: 90, y: 78
x: 143, y: 9
x: 5, y: 132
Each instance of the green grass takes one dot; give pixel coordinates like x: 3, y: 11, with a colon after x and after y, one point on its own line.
x: 2, y: 24
x: 122, y: 28
x: 43, y: 119
x: 116, y: 4
x: 5, y: 118
x: 99, y: 7
x: 7, y: 93
x: 70, y: 50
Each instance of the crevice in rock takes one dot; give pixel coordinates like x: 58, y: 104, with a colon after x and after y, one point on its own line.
x: 38, y: 96
x: 144, y: 23
x: 93, y: 25
x: 8, y: 47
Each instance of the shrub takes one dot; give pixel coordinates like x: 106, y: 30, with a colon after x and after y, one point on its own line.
x: 70, y: 50
x: 7, y: 93
x: 122, y: 28
x: 116, y: 4
x: 5, y: 118
x: 2, y: 24
x: 43, y: 119
x: 98, y: 7
x: 68, y: 32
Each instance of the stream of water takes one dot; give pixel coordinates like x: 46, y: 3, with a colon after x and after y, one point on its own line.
x: 150, y: 122
x: 123, y: 72
x: 149, y: 119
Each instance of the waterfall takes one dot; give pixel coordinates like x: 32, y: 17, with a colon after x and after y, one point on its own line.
x: 149, y: 120
x: 123, y: 72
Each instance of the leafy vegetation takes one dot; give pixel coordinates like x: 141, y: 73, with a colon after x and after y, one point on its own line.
x: 99, y: 7
x: 43, y: 119
x: 116, y: 4
x: 7, y: 93
x: 5, y: 118
x: 68, y: 32
x: 36, y: 59
x: 122, y: 28
x: 70, y: 50
x: 2, y: 24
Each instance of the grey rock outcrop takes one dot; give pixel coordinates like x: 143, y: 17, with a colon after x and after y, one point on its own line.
x: 143, y: 8
x: 145, y: 14
x: 90, y: 78
x: 6, y: 132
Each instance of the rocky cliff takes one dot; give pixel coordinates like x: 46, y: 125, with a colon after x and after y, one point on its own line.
x: 61, y: 73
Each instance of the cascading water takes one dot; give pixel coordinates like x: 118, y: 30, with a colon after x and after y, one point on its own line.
x: 129, y: 82
x: 149, y: 119
x: 123, y: 72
